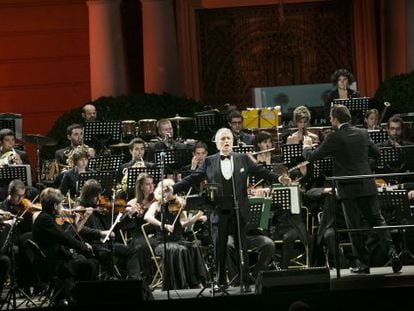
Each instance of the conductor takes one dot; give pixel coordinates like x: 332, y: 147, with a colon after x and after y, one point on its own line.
x: 229, y: 171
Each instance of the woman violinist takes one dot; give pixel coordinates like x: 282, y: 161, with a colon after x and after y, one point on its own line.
x: 185, y: 263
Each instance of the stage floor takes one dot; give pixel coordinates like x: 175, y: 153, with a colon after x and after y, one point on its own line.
x: 381, y: 288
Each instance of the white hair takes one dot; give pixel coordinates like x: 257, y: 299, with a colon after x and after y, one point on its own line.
x: 220, y: 132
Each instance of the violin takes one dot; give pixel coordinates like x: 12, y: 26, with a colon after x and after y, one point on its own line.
x: 27, y: 206
x: 105, y: 206
x: 174, y: 206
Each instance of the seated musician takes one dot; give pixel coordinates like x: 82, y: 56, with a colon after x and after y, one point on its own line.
x: 137, y: 150
x: 235, y: 123
x: 185, y: 265
x: 395, y: 130
x: 97, y: 228
x: 56, y: 244
x: 4, y: 259
x: 79, y: 158
x: 89, y: 113
x: 371, y: 119
x: 10, y: 155
x: 74, y: 134
x: 200, y: 152
x: 301, y: 119
x: 18, y: 205
x: 165, y: 138
x: 341, y: 79
x: 131, y: 226
x: 263, y: 145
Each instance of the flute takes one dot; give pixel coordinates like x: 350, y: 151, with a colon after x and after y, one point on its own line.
x: 263, y: 151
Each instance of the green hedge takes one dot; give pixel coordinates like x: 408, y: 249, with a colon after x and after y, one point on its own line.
x: 128, y: 107
x: 399, y: 91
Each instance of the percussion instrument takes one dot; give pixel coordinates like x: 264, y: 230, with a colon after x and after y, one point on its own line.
x: 147, y: 128
x: 38, y: 139
x: 128, y: 128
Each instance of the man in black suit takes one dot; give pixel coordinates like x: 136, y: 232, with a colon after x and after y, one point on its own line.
x: 56, y: 245
x: 229, y: 171
x: 349, y: 148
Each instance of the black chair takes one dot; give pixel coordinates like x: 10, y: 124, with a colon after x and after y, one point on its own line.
x: 51, y: 286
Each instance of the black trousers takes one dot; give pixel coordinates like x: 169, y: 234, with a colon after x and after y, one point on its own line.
x: 227, y: 224
x: 367, y: 206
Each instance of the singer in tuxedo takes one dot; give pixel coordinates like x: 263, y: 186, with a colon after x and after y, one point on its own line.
x: 349, y: 148
x: 229, y: 171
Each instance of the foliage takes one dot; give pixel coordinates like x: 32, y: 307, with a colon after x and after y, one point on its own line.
x: 128, y: 107
x: 397, y: 90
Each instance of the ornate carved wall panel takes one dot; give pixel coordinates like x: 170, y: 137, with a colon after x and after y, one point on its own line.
x: 273, y: 45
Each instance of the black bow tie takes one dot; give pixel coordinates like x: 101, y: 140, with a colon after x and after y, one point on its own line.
x: 223, y: 157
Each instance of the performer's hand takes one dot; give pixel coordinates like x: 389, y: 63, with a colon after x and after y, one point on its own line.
x: 169, y: 228
x: 327, y: 191
x: 194, y: 163
x: 411, y: 195
x: 250, y: 155
x: 285, y: 179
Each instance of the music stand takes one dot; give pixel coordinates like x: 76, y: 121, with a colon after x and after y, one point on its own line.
x: 105, y: 178
x: 395, y: 207
x: 357, y: 106
x: 22, y: 172
x: 174, y: 159
x: 292, y: 153
x: 12, y: 121
x: 103, y: 132
x: 407, y: 157
x: 206, y: 121
x: 378, y: 136
x: 259, y: 213
x: 243, y: 149
x: 286, y: 197
x: 323, y: 167
x: 389, y: 156
x: 253, y: 180
x: 133, y: 173
x: 105, y: 163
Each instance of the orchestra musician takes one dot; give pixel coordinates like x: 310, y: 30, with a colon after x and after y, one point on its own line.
x: 97, y: 228
x: 341, y: 79
x: 371, y: 119
x: 16, y: 204
x: 136, y: 209
x: 185, y: 265
x: 395, y: 130
x: 137, y: 150
x: 301, y: 119
x: 89, y: 113
x: 74, y: 134
x: 10, y: 155
x: 70, y: 177
x: 235, y: 123
x: 165, y: 139
x: 349, y: 148
x: 56, y: 245
x: 229, y: 171
x: 263, y: 144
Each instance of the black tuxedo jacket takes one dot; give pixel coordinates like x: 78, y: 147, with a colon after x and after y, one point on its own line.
x: 211, y: 170
x: 52, y: 240
x: 349, y: 148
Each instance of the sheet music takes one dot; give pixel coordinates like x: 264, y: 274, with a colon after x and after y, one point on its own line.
x: 294, y: 200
